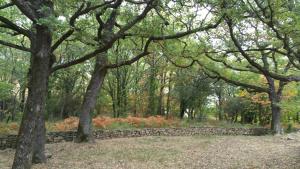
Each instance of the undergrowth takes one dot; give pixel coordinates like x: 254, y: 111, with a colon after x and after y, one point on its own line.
x: 130, y: 122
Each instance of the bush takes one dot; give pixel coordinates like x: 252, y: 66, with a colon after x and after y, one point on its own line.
x: 289, y: 128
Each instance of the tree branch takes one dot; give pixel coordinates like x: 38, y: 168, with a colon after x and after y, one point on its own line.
x: 26, y: 8
x: 230, y: 66
x: 132, y: 60
x: 253, y: 63
x: 122, y: 31
x: 10, y: 25
x: 80, y: 11
x: 14, y: 46
x: 234, y: 82
x: 111, y: 42
x: 6, y: 5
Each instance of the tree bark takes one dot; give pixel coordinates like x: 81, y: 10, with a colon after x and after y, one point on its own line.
x: 84, y: 132
x: 39, y: 140
x: 276, y: 116
x: 276, y: 111
x: 275, y: 98
x: 35, y: 104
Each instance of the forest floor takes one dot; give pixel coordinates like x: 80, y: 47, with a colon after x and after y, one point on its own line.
x: 205, y: 152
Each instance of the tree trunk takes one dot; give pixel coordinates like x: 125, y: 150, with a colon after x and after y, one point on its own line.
x: 242, y: 117
x: 182, y: 109
x: 84, y: 132
x: 275, y: 98
x: 136, y: 89
x: 39, y: 140
x: 152, y: 99
x: 169, y: 96
x: 276, y: 116
x: 192, y: 113
x: 65, y: 104
x: 219, y: 103
x: 2, y: 115
x: 236, y: 115
x: 35, y: 104
x: 160, y: 107
x: 22, y: 98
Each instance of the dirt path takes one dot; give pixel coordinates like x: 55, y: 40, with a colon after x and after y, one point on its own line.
x: 209, y: 152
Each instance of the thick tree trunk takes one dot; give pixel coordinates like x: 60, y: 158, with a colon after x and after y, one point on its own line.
x: 84, y: 133
x: 276, y: 116
x: 275, y: 98
x: 32, y: 117
x: 39, y: 140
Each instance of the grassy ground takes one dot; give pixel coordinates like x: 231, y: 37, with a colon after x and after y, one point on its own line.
x: 224, y: 152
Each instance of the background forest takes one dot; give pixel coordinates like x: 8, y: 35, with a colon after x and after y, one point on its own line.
x: 163, y: 83
x: 206, y: 61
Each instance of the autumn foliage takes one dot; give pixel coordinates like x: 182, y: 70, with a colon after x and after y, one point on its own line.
x: 11, y: 128
x: 71, y: 123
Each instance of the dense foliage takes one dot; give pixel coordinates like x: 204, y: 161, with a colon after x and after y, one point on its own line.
x: 236, y: 61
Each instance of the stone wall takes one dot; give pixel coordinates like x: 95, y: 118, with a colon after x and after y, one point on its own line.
x: 9, y: 141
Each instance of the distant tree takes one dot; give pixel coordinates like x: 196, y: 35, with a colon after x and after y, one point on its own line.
x: 192, y: 90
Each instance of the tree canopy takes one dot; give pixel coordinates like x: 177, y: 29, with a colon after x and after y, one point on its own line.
x: 234, y: 60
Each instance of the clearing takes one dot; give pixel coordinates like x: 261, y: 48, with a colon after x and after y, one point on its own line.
x: 205, y: 152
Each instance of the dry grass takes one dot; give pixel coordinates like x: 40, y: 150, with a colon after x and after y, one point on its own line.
x: 269, y: 152
x: 71, y: 123
x: 11, y: 128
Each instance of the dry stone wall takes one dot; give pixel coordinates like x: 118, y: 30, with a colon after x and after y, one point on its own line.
x: 9, y: 141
